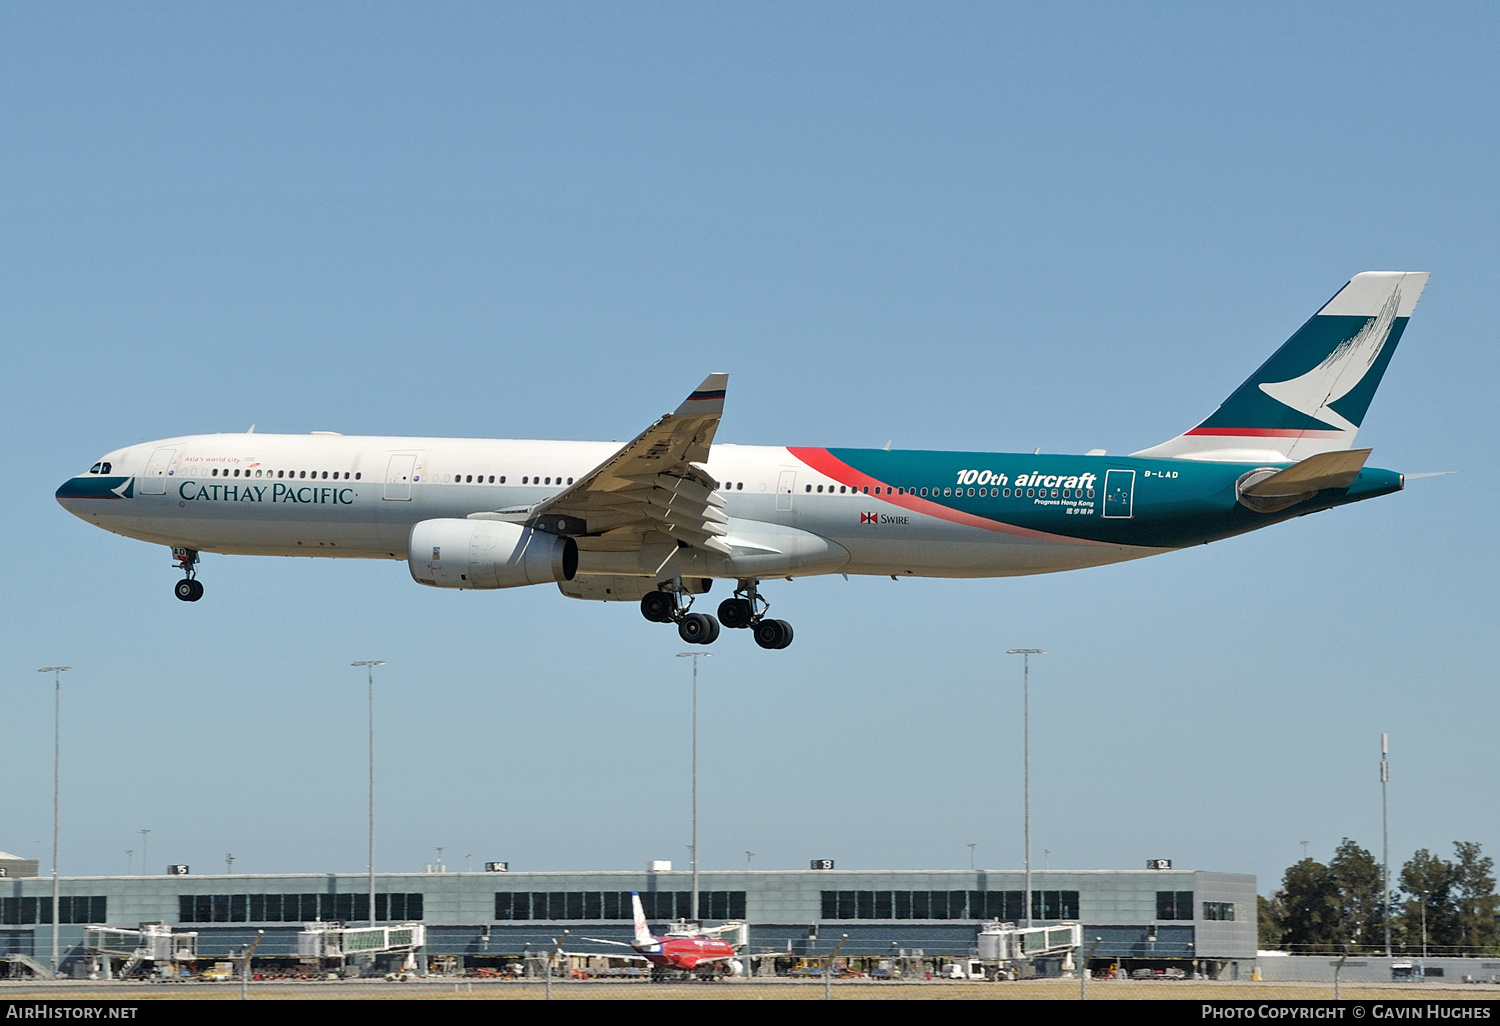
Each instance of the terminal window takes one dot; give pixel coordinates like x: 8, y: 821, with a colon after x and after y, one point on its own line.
x: 1218, y: 911
x: 1174, y: 904
x: 1008, y: 905
x: 658, y: 905
x: 70, y: 909
x: 296, y: 908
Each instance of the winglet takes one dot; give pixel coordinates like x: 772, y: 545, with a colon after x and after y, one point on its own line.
x: 707, y: 398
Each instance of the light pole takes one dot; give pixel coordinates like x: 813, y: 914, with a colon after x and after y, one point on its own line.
x: 130, y: 862
x: 972, y: 846
x: 1385, y: 845
x: 144, y: 870
x: 57, y: 672
x: 369, y: 665
x: 1026, y: 654
x: 695, y: 656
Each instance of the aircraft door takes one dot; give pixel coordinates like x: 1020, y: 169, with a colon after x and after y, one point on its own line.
x: 399, y: 475
x: 784, y: 486
x: 154, y: 480
x: 1119, y: 494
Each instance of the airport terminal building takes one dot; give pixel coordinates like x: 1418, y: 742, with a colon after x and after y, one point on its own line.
x: 1192, y: 920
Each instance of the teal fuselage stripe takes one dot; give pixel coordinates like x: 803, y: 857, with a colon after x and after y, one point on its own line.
x: 1152, y: 503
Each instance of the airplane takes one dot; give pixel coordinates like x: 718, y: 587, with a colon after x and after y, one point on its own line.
x: 689, y: 949
x: 657, y: 520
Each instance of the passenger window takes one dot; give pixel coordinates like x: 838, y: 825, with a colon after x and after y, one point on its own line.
x: 502, y: 478
x: 809, y: 487
x: 570, y: 480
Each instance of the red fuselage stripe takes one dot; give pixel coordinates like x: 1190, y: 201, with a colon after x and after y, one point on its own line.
x: 1267, y: 432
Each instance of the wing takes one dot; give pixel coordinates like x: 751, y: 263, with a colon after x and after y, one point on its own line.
x: 656, y: 483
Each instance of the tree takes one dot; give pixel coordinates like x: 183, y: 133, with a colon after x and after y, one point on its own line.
x: 1475, y: 900
x: 1268, y: 930
x: 1425, y: 920
x: 1458, y: 899
x: 1332, y: 908
x: 1306, y: 908
x: 1354, y: 876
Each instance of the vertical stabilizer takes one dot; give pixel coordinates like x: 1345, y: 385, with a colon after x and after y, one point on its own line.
x: 1311, y: 395
x: 643, y: 937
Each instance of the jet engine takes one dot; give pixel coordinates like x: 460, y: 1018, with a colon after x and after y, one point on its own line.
x: 487, y: 554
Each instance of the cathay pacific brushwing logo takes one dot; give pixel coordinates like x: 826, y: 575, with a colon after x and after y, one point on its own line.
x: 1340, y: 372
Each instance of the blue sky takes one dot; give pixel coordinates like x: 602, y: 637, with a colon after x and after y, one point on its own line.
x: 963, y: 226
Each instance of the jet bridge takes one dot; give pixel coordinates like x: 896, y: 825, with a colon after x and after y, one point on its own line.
x: 335, y: 940
x: 1006, y: 942
x: 153, y: 942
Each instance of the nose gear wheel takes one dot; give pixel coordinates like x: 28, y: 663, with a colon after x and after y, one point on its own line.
x: 189, y: 589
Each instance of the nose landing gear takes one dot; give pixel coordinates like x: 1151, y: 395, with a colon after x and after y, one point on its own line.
x: 189, y: 589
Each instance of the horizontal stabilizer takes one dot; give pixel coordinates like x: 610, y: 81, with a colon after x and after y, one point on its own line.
x: 1325, y: 470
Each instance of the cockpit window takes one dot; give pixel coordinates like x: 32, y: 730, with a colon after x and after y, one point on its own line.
x: 96, y: 468
x: 104, y: 468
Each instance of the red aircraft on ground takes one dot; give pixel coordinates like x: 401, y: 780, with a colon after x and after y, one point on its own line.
x: 687, y: 949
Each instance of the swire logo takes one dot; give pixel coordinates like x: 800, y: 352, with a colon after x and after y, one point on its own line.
x: 869, y: 518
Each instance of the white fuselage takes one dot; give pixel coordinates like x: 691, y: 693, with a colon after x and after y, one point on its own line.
x: 359, y: 497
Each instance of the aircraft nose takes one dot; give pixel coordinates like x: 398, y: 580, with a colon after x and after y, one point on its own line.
x: 76, y: 492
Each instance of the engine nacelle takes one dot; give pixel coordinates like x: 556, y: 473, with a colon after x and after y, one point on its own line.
x: 487, y: 554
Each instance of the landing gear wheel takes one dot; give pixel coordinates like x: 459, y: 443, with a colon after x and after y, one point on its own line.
x: 773, y: 634
x: 698, y: 629
x: 185, y: 591
x: 735, y: 613
x: 658, y: 606
x: 197, y: 589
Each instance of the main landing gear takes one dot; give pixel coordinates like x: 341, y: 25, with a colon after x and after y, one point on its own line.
x: 189, y: 589
x: 747, y: 609
x: 666, y: 606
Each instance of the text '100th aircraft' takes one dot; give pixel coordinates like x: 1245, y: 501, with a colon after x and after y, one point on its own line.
x: 656, y: 520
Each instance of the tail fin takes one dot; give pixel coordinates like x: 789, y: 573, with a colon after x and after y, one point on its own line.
x: 643, y: 936
x: 1312, y: 394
